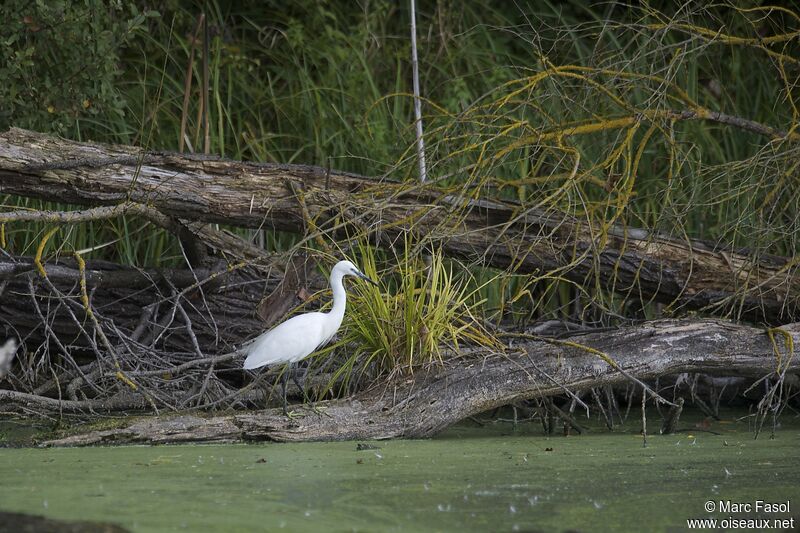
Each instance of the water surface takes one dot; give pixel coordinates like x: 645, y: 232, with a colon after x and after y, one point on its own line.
x: 470, y: 479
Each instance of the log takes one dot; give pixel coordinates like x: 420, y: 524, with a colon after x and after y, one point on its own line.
x: 429, y: 401
x: 688, y: 274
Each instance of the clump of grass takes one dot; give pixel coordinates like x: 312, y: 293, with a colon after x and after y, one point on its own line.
x: 422, y: 314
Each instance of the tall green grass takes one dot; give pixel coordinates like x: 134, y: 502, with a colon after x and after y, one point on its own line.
x: 424, y: 310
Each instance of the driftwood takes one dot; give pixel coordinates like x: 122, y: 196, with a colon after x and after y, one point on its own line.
x: 432, y: 400
x: 641, y: 265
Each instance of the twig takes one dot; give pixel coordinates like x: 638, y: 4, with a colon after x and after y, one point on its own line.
x: 609, y: 417
x: 187, y: 85
x: 672, y: 418
x: 568, y: 418
x: 176, y: 370
x: 644, y: 420
x: 119, y: 401
x: 205, y: 95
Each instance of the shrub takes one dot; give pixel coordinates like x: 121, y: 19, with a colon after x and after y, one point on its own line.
x: 59, y: 62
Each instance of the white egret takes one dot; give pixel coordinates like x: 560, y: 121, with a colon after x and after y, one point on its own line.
x: 7, y: 352
x: 297, y: 338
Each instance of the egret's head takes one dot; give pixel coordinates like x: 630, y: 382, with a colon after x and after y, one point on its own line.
x: 346, y: 268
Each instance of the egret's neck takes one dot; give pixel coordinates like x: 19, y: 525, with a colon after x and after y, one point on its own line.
x: 339, y: 296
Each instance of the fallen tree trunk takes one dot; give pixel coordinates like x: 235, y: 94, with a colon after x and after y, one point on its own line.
x: 430, y: 401
x: 640, y: 265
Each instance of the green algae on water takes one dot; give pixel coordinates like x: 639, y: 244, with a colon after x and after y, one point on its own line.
x: 469, y: 479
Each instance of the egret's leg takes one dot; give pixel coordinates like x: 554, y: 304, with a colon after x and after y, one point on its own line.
x: 300, y: 383
x: 313, y: 407
x: 290, y: 370
x: 284, y: 381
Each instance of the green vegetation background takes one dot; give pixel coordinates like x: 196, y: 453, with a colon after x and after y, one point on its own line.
x: 328, y: 83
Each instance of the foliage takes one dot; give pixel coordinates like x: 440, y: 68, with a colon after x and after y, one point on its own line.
x: 60, y: 63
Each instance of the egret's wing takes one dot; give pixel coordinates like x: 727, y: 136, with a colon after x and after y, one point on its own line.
x: 288, y: 341
x: 325, y: 341
x: 7, y: 352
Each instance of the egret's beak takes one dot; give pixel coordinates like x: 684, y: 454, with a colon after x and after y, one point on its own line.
x: 365, y: 278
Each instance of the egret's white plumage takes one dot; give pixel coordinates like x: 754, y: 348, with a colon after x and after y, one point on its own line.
x: 298, y: 337
x: 7, y: 352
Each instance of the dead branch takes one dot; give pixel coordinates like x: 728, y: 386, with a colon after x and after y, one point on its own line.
x: 432, y: 400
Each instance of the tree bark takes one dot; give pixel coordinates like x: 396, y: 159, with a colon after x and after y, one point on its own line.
x: 636, y: 263
x: 423, y: 405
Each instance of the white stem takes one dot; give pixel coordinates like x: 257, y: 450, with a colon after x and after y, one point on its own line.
x: 423, y: 173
